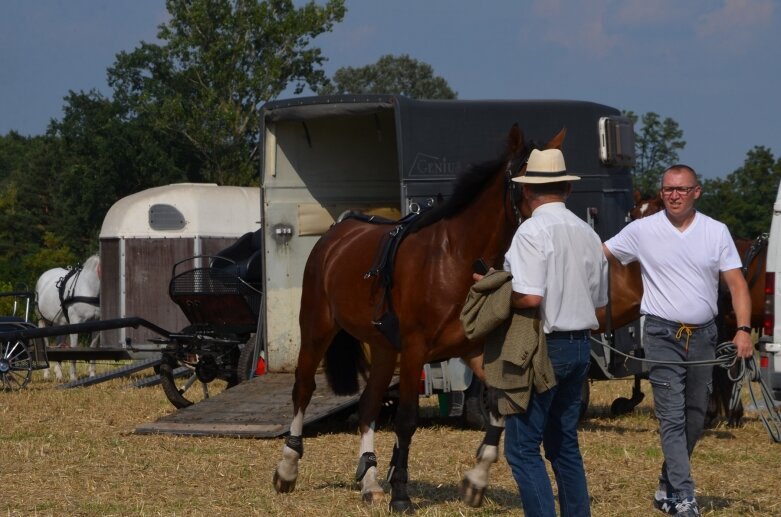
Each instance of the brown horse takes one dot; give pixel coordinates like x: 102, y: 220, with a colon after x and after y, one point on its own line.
x: 753, y: 253
x: 431, y: 278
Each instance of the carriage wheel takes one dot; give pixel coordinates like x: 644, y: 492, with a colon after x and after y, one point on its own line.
x: 16, y: 366
x: 185, y: 385
x: 171, y: 385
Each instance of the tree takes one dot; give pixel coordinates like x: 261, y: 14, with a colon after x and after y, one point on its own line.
x: 220, y: 61
x: 656, y: 148
x: 390, y: 74
x: 744, y: 199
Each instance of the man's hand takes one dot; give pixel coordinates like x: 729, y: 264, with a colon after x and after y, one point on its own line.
x: 477, y: 276
x: 743, y: 344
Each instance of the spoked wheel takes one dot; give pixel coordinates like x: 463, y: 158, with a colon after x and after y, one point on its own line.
x: 16, y: 366
x: 187, y: 383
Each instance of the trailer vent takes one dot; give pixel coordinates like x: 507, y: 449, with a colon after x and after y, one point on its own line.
x: 165, y: 218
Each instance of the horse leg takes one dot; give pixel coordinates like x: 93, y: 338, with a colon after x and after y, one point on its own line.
x: 475, y: 361
x: 475, y: 480
x: 93, y: 344
x: 383, y: 363
x: 55, y: 366
x: 406, y: 423
x: 309, y: 357
x: 74, y: 343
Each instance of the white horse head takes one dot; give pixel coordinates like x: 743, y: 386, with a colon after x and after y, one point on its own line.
x: 70, y: 296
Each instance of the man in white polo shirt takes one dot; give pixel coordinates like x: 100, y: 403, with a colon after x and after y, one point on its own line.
x: 558, y: 266
x: 682, y: 253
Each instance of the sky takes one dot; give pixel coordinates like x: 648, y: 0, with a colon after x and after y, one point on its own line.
x: 714, y: 66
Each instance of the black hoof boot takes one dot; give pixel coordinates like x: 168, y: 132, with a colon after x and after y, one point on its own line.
x: 401, y: 506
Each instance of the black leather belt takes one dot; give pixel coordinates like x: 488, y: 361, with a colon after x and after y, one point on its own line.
x: 569, y: 334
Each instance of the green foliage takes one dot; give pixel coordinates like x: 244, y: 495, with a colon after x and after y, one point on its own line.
x: 390, y: 74
x: 656, y: 148
x: 744, y: 199
x: 220, y: 61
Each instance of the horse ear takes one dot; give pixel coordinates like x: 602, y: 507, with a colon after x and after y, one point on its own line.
x: 638, y: 197
x: 556, y: 141
x: 515, y: 142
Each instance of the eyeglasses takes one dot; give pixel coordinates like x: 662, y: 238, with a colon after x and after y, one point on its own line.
x: 680, y: 190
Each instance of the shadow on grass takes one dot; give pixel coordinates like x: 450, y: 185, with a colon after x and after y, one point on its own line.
x: 497, y: 500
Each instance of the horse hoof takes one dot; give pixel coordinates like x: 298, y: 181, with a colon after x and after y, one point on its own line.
x: 401, y: 506
x: 470, y: 494
x: 372, y: 497
x: 282, y: 486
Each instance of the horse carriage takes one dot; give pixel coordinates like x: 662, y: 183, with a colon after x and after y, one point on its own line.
x: 170, y: 258
x: 19, y: 357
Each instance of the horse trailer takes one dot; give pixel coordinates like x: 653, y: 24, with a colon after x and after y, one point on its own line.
x: 145, y: 234
x: 393, y: 156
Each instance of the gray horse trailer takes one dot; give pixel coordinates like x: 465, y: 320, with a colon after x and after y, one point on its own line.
x: 394, y: 155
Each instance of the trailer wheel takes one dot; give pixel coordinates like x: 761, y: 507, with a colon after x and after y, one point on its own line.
x: 16, y: 365
x: 185, y: 385
x: 248, y: 367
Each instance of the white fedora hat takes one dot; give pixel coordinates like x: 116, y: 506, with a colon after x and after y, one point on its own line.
x: 545, y: 167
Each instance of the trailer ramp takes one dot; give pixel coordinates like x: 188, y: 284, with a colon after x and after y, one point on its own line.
x: 259, y: 408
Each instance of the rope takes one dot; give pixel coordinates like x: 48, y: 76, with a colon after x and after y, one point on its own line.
x: 737, y: 372
x: 684, y: 328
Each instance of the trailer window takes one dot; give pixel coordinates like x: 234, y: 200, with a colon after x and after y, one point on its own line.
x: 164, y: 217
x: 616, y: 141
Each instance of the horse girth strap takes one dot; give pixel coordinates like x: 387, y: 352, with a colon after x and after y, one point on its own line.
x: 387, y: 322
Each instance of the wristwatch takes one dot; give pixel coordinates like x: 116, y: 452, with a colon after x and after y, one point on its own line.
x: 745, y: 329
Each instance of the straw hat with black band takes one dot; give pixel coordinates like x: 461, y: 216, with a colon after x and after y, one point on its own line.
x: 545, y: 167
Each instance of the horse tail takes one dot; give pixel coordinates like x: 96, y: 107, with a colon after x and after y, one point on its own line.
x: 344, y: 360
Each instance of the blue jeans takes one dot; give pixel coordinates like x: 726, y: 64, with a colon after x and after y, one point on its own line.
x: 680, y: 394
x: 552, y: 419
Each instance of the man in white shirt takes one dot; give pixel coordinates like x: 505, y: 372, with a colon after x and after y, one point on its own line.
x: 682, y: 253
x: 558, y: 266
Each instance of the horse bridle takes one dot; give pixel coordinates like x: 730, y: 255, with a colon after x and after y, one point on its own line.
x: 511, y: 188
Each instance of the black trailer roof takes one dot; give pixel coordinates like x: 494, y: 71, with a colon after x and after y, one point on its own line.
x: 438, y: 138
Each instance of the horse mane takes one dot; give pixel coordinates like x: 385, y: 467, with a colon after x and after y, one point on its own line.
x: 468, y: 185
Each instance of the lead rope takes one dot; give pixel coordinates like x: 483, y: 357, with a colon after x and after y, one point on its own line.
x: 726, y: 357
x: 749, y: 368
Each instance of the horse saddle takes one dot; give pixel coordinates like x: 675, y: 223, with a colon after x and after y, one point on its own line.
x: 382, y: 268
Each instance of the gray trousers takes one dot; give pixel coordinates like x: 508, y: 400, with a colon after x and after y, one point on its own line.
x: 680, y: 394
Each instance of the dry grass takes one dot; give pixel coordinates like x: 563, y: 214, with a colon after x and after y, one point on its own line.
x: 73, y: 452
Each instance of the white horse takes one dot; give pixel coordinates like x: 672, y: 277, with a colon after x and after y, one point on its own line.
x: 70, y: 296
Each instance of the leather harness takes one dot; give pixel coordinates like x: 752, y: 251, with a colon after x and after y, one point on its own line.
x: 68, y: 299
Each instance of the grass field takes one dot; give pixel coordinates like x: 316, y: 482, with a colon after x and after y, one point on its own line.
x: 73, y: 452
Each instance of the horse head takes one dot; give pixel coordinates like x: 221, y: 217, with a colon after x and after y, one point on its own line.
x: 520, y: 150
x: 645, y: 206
